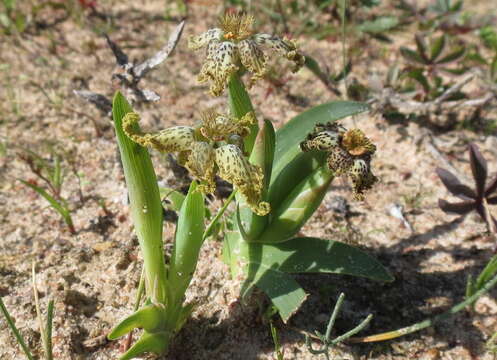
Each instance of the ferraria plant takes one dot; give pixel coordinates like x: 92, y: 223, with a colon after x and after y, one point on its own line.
x: 279, y: 180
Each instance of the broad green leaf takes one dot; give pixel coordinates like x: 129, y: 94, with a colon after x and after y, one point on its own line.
x: 293, y: 174
x: 422, y: 47
x: 437, y: 47
x: 417, y: 74
x: 145, y: 201
x: 285, y: 293
x: 453, y: 56
x: 295, y: 131
x: 175, y: 197
x: 411, y: 55
x: 57, y: 205
x: 188, y: 240
x: 315, y: 255
x: 297, y: 207
x: 379, y: 25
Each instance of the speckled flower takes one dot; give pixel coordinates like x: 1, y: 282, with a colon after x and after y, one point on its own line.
x: 233, y: 44
x: 349, y: 153
x: 213, y: 147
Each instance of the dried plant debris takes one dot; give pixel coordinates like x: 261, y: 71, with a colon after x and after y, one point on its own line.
x: 132, y: 73
x: 476, y: 199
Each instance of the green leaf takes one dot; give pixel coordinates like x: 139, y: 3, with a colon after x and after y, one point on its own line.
x: 379, y: 25
x: 297, y: 207
x: 488, y: 272
x: 14, y: 329
x: 422, y: 47
x: 188, y: 240
x: 411, y: 55
x: 145, y: 202
x: 295, y: 131
x: 437, y: 47
x: 54, y: 203
x: 175, y: 197
x: 453, y: 56
x: 315, y: 255
x: 294, y: 173
x: 417, y: 74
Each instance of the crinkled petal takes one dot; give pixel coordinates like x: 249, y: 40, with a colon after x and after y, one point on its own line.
x: 219, y: 68
x: 246, y: 177
x: 197, y: 42
x: 339, y: 161
x: 253, y: 59
x: 323, y: 141
x: 356, y: 143
x: 219, y: 127
x: 285, y: 47
x: 362, y: 177
x: 176, y: 138
x: 200, y: 163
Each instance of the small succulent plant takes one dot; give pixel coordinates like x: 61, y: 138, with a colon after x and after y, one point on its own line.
x: 476, y: 199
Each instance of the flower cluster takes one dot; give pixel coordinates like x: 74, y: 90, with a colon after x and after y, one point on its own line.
x: 232, y: 43
x: 212, y: 147
x: 349, y: 153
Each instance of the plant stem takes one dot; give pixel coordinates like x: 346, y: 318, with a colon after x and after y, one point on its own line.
x: 429, y: 322
x: 240, y: 104
x: 218, y: 215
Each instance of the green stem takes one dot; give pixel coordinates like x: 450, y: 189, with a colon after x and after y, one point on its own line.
x: 429, y: 322
x: 218, y: 215
x: 240, y: 104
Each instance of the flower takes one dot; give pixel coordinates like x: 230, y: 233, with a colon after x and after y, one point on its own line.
x: 232, y: 43
x: 212, y: 147
x: 473, y: 200
x: 349, y: 153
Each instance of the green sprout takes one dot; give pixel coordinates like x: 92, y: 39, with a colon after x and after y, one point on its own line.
x: 326, y: 337
x: 51, y: 174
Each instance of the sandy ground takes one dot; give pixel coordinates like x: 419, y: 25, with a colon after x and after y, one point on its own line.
x: 93, y: 274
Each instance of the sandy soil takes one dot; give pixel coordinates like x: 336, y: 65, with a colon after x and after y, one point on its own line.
x: 93, y: 274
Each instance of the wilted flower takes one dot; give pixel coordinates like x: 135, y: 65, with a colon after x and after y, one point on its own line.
x: 208, y: 149
x: 234, y: 42
x: 349, y: 153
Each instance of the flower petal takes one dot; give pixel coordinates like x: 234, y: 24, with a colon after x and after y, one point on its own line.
x: 253, y: 59
x: 176, y: 138
x: 461, y: 208
x: 285, y: 47
x: 197, y: 42
x: 362, y: 177
x: 219, y: 66
x: 323, y: 141
x: 339, y: 161
x: 453, y: 184
x: 478, y: 167
x: 246, y: 177
x: 200, y: 163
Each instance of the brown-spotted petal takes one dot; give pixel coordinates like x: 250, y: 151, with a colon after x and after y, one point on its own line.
x: 219, y: 67
x: 201, y: 164
x: 197, y: 42
x: 173, y: 139
x: 246, y: 177
x: 362, y: 177
x: 285, y: 47
x: 323, y: 141
x: 253, y: 59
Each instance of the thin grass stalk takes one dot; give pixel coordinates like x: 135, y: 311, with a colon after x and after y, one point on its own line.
x: 14, y: 329
x: 429, y: 322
